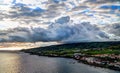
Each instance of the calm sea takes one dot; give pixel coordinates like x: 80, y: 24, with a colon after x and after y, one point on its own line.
x: 25, y: 63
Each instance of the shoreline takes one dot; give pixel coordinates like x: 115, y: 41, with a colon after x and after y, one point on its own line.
x: 81, y: 61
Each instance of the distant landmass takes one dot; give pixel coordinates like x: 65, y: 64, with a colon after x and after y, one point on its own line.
x: 102, y: 54
x: 83, y: 45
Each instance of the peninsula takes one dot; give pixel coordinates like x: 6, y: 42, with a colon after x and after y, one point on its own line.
x: 100, y: 54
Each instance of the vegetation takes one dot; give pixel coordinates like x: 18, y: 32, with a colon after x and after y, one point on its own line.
x: 103, y: 51
x: 103, y: 54
x: 68, y: 50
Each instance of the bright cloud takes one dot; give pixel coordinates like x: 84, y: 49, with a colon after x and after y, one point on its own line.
x: 59, y: 20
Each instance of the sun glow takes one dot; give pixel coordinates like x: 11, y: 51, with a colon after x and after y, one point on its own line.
x: 15, y: 46
x: 12, y: 48
x: 20, y: 46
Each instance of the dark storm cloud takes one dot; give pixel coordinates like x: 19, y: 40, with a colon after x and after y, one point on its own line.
x: 114, y: 29
x: 53, y: 10
x: 80, y: 7
x: 103, y: 35
x: 22, y: 10
x: 3, y: 40
x: 63, y: 20
x: 56, y: 32
x: 17, y: 38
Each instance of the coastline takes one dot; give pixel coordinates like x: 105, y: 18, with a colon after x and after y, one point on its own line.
x: 98, y: 54
x: 81, y: 61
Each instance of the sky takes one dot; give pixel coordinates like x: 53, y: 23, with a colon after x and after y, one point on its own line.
x: 62, y: 21
x: 20, y: 45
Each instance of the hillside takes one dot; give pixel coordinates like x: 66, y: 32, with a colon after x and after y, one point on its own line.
x: 84, y: 45
x: 102, y: 54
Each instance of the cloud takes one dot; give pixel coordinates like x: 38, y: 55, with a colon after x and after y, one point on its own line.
x: 114, y: 29
x: 63, y: 20
x: 60, y: 20
x: 56, y: 32
x: 22, y: 10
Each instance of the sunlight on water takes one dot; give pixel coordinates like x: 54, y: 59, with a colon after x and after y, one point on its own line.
x: 10, y: 63
x: 25, y: 63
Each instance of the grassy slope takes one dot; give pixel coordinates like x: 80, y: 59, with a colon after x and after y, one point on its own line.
x: 69, y: 49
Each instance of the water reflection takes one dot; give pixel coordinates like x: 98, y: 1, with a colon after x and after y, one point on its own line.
x: 9, y: 63
x: 25, y: 63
